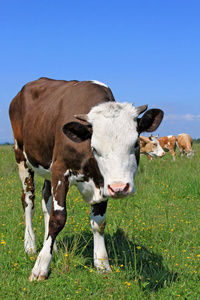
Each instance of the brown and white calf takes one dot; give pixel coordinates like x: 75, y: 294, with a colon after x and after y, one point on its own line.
x: 168, y: 143
x: 99, y: 154
x: 184, y: 144
x: 150, y: 146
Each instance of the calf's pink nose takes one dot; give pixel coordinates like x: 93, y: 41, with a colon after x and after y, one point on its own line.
x: 118, y: 189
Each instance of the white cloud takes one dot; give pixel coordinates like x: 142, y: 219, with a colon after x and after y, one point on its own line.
x: 189, y: 117
x: 171, y: 117
x: 186, y: 117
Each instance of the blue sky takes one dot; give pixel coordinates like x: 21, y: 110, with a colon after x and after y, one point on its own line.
x: 147, y: 51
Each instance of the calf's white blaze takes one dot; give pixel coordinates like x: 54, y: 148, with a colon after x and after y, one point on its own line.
x: 157, y: 150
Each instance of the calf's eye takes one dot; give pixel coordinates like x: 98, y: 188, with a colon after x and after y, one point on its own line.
x: 94, y: 151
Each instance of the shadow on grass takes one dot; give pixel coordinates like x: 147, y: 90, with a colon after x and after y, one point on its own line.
x: 137, y: 261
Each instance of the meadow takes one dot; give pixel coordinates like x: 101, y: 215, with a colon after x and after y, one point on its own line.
x: 152, y: 238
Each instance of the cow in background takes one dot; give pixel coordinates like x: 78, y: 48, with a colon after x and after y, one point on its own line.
x: 168, y: 143
x: 150, y: 146
x: 184, y: 144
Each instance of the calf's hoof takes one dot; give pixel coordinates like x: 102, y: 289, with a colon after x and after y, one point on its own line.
x: 34, y: 277
x: 102, y: 266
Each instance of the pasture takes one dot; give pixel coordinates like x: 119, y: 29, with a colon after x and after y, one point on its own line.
x: 152, y: 238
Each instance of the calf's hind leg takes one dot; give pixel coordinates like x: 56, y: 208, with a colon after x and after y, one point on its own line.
x: 28, y: 197
x: 46, y: 207
x: 59, y: 188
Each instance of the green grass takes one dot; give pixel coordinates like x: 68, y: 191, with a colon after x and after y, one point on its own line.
x: 152, y: 238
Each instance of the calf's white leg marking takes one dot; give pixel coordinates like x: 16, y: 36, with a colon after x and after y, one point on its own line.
x: 100, y: 253
x: 46, y: 207
x: 43, y: 261
x: 29, y: 238
x: 56, y: 205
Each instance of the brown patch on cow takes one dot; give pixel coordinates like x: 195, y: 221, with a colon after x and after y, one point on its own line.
x: 74, y: 158
x: 102, y: 228
x: 24, y: 204
x: 46, y: 190
x: 19, y: 156
x: 29, y: 182
x: 91, y: 170
x: 56, y: 224
x: 99, y: 208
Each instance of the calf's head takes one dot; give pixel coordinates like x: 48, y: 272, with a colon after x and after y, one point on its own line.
x: 115, y: 141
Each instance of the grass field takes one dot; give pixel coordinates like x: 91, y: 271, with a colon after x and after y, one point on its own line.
x: 152, y: 238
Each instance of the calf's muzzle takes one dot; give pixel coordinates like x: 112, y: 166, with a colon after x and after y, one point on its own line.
x: 119, y: 189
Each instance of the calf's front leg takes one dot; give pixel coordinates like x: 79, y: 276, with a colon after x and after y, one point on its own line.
x: 98, y: 222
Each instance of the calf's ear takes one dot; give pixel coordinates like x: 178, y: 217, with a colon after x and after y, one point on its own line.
x: 150, y: 120
x: 77, y: 132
